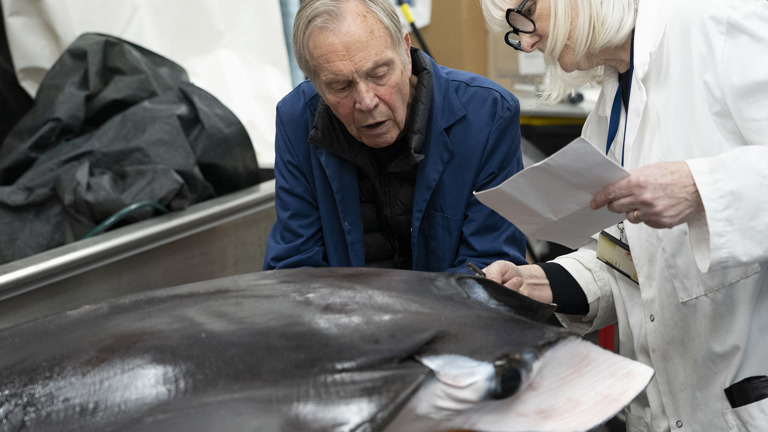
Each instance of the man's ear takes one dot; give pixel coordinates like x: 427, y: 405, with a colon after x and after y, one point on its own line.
x: 407, y: 39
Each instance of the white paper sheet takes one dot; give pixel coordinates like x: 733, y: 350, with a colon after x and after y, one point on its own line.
x: 550, y: 200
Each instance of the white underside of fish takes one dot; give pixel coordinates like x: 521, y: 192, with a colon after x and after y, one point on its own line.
x: 574, y: 386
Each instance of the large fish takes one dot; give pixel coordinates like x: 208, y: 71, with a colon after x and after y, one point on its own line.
x: 311, y: 350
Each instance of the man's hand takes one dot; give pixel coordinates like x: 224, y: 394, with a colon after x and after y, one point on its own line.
x: 528, y: 280
x: 661, y: 195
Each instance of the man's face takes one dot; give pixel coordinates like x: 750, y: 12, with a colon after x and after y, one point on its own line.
x: 362, y: 78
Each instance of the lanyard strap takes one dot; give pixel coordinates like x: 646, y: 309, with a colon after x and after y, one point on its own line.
x: 613, y: 126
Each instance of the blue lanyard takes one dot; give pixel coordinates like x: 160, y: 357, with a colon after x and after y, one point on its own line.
x: 613, y: 126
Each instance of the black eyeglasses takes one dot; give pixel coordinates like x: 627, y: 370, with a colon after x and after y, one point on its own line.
x: 520, y: 20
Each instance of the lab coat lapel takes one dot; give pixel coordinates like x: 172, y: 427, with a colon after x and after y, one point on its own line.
x: 649, y: 30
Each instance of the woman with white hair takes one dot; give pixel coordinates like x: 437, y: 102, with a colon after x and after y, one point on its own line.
x: 683, y: 107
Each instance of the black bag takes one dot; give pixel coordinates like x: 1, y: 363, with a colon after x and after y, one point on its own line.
x: 114, y: 124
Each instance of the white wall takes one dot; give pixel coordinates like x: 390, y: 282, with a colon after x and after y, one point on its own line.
x: 234, y: 49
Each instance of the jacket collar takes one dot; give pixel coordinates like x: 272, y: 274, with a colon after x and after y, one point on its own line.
x: 649, y: 28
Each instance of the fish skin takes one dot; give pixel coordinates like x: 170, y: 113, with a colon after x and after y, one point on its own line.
x: 330, y: 349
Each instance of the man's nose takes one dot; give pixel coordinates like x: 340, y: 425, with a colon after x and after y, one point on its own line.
x: 365, y: 97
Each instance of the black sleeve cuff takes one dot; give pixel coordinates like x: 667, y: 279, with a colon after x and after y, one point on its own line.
x: 566, y: 292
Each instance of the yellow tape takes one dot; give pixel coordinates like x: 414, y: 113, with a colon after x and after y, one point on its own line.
x: 406, y: 8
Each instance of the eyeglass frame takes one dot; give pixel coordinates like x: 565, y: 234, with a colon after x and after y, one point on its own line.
x: 515, y: 30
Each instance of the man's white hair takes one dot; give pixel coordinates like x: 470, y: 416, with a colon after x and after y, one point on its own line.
x: 328, y: 14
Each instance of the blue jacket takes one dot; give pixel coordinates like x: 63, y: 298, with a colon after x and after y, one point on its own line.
x: 472, y: 143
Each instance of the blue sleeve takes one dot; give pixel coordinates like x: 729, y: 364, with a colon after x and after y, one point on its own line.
x: 296, y: 239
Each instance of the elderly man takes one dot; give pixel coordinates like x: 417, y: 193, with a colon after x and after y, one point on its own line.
x: 378, y: 153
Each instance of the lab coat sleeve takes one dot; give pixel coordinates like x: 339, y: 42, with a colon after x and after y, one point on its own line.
x: 598, y: 283
x: 487, y: 236
x: 296, y: 238
x: 732, y: 185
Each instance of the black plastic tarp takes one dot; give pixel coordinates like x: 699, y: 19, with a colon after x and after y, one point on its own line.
x: 114, y: 124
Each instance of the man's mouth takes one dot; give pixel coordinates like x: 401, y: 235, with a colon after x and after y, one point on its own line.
x: 374, y: 126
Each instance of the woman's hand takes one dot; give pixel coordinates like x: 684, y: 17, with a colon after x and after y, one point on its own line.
x: 528, y: 280
x: 660, y: 195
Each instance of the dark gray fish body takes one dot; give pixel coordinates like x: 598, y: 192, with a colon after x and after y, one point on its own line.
x: 289, y: 350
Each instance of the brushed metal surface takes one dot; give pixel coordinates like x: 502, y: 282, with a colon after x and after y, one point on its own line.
x: 220, y: 237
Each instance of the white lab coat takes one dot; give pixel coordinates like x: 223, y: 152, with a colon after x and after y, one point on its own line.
x: 699, y: 316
